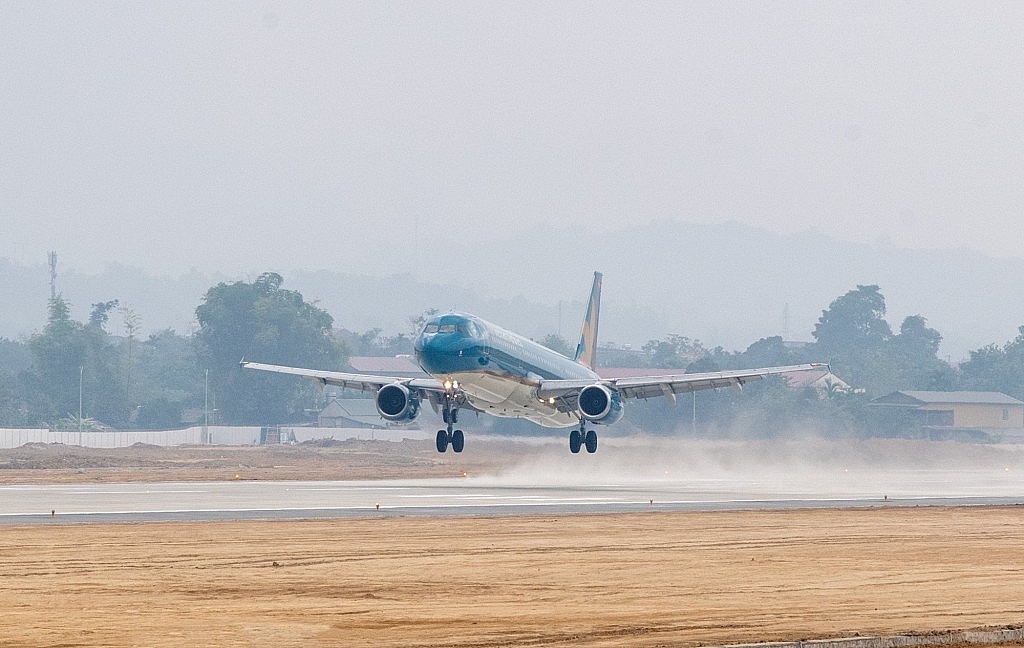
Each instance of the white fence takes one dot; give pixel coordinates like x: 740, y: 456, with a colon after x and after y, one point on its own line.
x: 218, y: 435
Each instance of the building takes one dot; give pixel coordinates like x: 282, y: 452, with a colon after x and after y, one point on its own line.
x: 975, y: 414
x: 402, y: 366
x: 361, y: 411
x: 351, y: 413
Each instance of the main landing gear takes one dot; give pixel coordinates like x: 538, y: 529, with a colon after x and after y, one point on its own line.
x: 450, y: 436
x: 582, y: 437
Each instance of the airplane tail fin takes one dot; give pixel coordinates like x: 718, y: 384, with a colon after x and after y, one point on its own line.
x: 586, y: 350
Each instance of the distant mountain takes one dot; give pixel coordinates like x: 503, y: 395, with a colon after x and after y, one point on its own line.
x: 724, y: 284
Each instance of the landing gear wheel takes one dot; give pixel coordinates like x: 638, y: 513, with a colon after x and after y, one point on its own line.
x: 458, y: 440
x: 591, y: 441
x: 575, y: 441
x: 442, y: 441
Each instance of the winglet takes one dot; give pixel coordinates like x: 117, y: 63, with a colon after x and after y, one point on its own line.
x: 586, y: 350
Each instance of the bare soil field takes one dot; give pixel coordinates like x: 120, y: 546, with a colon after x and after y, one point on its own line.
x: 656, y: 579
x: 327, y: 460
x: 646, y: 579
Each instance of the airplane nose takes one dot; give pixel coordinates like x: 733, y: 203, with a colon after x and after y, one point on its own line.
x: 445, y: 353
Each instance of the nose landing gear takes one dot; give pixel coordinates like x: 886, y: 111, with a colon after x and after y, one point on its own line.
x: 450, y: 436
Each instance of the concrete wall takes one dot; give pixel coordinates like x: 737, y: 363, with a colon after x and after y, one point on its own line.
x: 219, y: 435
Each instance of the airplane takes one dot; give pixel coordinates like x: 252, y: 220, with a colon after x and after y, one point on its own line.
x: 478, y: 366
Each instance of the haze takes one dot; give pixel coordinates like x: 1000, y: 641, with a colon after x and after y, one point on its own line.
x: 230, y: 136
x: 384, y: 138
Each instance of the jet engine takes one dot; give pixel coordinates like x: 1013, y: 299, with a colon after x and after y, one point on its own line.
x: 396, y: 403
x: 599, y: 404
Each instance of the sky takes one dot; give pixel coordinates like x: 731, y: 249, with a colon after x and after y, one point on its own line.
x: 374, y: 136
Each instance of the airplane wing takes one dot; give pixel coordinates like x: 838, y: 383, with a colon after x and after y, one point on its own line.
x: 363, y: 382
x: 670, y: 385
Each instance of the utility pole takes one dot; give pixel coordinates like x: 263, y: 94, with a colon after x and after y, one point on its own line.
x: 53, y: 276
x: 81, y: 369
x: 206, y: 408
x: 131, y: 328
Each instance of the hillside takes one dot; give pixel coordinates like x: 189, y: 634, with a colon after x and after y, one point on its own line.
x: 725, y: 284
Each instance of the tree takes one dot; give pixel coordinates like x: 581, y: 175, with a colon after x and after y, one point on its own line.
x: 417, y: 323
x: 262, y: 321
x: 852, y: 334
x: 100, y: 313
x: 131, y: 329
x: 71, y: 359
x: 167, y: 380
x: 15, y: 359
x: 995, y: 368
x: 558, y: 344
x: 674, y: 352
x: 767, y: 352
x: 915, y: 351
x: 853, y: 323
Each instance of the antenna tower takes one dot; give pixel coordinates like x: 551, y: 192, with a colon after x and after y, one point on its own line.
x: 53, y: 276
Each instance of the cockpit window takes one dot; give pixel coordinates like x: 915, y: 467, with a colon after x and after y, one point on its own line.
x: 431, y: 328
x: 446, y: 328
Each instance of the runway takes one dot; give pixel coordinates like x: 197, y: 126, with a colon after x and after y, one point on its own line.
x: 236, y: 500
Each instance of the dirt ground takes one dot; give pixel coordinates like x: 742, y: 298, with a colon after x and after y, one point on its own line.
x: 315, y: 461
x: 645, y: 579
x: 656, y: 579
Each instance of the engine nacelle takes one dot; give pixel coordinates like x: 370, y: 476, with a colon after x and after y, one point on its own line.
x: 599, y: 404
x: 396, y: 403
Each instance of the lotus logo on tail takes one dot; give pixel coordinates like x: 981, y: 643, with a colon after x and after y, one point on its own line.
x: 586, y: 350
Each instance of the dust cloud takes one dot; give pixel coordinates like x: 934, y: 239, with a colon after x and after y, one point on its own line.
x: 805, y: 468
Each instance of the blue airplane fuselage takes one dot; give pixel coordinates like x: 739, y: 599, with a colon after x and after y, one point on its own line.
x: 498, y: 370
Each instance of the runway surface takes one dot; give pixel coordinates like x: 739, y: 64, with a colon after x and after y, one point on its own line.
x: 234, y: 500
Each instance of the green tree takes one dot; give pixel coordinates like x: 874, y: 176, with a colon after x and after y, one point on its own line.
x: 100, y: 313
x: 559, y: 344
x: 915, y: 351
x: 853, y: 322
x: 674, y: 352
x: 767, y: 352
x: 67, y: 357
x: 262, y: 321
x: 167, y: 380
x: 997, y: 368
x: 852, y: 334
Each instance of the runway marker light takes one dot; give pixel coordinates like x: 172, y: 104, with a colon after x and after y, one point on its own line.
x: 237, y: 476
